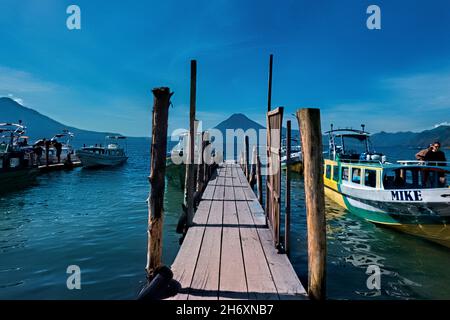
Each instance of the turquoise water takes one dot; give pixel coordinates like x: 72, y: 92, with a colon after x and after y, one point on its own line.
x: 97, y: 219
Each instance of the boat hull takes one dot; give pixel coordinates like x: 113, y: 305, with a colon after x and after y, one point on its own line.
x: 430, y: 221
x: 294, y: 167
x: 17, y: 179
x: 89, y: 160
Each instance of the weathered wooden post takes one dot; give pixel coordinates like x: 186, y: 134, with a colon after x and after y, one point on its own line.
x: 157, y: 177
x: 309, y: 123
x: 190, y: 167
x: 246, y: 157
x: 207, y: 158
x: 252, y: 177
x: 269, y: 107
x: 287, y: 220
x: 259, y: 179
x: 200, y: 170
x: 269, y: 98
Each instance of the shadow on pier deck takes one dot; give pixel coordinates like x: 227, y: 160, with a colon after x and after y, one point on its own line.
x: 229, y: 252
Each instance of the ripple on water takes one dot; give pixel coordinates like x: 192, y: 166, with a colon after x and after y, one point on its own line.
x: 97, y: 219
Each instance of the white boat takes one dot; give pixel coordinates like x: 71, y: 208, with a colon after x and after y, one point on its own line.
x: 409, y: 196
x: 16, y: 168
x: 296, y: 159
x: 98, y: 156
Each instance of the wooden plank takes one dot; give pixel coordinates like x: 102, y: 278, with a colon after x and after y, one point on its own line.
x: 183, y: 267
x: 208, y: 194
x: 233, y: 284
x: 259, y: 280
x: 205, y: 283
x: 285, y: 278
x: 219, y: 192
x: 229, y: 253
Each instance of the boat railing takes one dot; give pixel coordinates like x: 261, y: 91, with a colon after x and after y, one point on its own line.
x: 356, y: 161
x: 424, y: 163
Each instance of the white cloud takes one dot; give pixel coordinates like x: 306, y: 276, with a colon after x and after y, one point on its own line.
x: 16, y: 99
x: 446, y: 123
x: 20, y: 82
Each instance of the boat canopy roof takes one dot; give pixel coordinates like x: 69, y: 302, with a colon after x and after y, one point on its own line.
x: 400, y: 165
x: 14, y: 128
x: 359, y: 136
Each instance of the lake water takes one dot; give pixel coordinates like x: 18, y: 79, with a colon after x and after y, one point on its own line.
x: 97, y: 219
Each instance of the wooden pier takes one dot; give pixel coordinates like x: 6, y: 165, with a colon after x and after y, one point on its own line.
x: 59, y: 166
x: 229, y: 251
x: 232, y: 247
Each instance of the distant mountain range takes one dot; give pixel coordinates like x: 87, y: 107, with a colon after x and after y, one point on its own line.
x: 40, y: 126
x: 413, y: 139
x: 381, y: 139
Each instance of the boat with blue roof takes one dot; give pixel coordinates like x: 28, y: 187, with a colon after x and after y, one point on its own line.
x: 409, y: 196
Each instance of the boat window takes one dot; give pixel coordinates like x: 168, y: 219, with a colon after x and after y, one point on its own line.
x: 370, y: 178
x: 388, y: 180
x: 344, y: 173
x: 354, y: 146
x: 356, y: 175
x: 14, y: 162
x: 1, y: 163
x: 408, y: 176
x: 328, y: 171
x: 335, y: 173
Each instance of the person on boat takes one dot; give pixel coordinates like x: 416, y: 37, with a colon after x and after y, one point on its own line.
x: 433, y: 154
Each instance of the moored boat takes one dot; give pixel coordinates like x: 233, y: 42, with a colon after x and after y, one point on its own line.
x: 296, y: 159
x: 103, y: 156
x: 409, y: 196
x: 16, y: 167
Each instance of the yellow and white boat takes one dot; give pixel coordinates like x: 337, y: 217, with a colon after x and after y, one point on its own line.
x: 295, y: 161
x: 409, y: 196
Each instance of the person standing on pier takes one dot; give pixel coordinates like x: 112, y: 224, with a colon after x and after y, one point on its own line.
x: 47, y: 151
x: 38, y: 152
x: 58, y: 147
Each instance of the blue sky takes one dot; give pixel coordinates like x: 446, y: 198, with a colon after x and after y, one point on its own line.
x: 100, y: 77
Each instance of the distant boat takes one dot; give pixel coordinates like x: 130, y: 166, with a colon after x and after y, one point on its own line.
x: 98, y: 156
x: 16, y: 167
x: 295, y: 161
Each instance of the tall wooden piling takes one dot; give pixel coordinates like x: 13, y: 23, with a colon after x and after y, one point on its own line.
x: 190, y: 167
x: 269, y: 107
x: 252, y: 177
x: 246, y: 158
x: 157, y: 174
x: 259, y: 179
x: 201, y: 165
x: 309, y: 123
x: 269, y: 97
x: 287, y: 220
